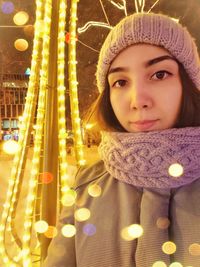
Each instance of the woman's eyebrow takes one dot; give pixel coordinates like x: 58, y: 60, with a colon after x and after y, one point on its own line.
x: 117, y: 69
x: 159, y: 59
x: 147, y: 64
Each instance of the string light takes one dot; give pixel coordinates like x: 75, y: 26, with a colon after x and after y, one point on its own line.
x: 89, y: 24
x: 73, y: 85
x: 13, y: 185
x: 39, y: 125
x: 120, y: 6
x: 139, y: 5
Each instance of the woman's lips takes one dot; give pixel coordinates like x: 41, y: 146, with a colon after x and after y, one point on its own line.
x: 144, y: 125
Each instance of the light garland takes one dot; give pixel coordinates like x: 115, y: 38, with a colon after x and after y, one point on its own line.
x: 38, y: 135
x: 73, y: 85
x: 89, y: 24
x: 120, y: 6
x: 139, y: 6
x: 14, y: 181
x: 62, y: 133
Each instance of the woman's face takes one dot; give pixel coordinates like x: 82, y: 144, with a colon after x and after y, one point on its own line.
x: 145, y: 88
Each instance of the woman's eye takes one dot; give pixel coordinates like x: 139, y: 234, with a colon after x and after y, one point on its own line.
x: 160, y: 75
x: 119, y: 83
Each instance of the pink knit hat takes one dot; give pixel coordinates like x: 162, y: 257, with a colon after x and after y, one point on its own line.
x: 149, y: 28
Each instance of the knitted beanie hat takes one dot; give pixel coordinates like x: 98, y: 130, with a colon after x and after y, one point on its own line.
x: 150, y: 28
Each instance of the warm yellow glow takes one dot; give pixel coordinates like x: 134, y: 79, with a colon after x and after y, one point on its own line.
x: 16, y: 169
x: 194, y: 249
x: 51, y: 232
x: 68, y: 230
x: 159, y: 264
x: 73, y: 85
x: 89, y: 126
x: 10, y: 147
x: 169, y: 248
x: 36, y: 71
x: 82, y: 214
x: 94, y: 190
x: 41, y: 226
x: 21, y: 18
x: 176, y: 170
x: 132, y: 232
x: 21, y: 44
x: 69, y: 198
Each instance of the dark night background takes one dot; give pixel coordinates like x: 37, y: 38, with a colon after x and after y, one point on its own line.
x: 13, y: 61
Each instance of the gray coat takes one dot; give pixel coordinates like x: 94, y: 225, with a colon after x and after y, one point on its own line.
x: 120, y: 205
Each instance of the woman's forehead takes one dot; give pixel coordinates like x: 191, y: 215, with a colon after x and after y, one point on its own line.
x: 141, y: 54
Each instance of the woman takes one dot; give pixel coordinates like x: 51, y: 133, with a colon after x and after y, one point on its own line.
x: 148, y: 212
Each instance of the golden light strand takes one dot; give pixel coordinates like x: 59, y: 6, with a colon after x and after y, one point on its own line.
x: 32, y: 193
x: 17, y: 164
x: 62, y: 133
x: 73, y: 85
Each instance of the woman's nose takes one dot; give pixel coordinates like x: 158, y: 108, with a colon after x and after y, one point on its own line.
x: 140, y: 98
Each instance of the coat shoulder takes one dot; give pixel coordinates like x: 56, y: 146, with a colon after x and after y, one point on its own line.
x: 90, y: 173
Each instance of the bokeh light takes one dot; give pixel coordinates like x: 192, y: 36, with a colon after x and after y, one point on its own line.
x: 28, y: 71
x: 41, y: 226
x: 176, y: 264
x: 46, y: 177
x: 169, y: 248
x: 89, y: 126
x: 132, y: 232
x: 51, y: 232
x: 21, y: 18
x: 29, y: 30
x: 7, y: 7
x: 69, y: 198
x: 21, y: 44
x: 68, y: 230
x: 10, y: 147
x: 159, y: 264
x: 94, y: 190
x: 89, y: 229
x: 175, y: 170
x: 194, y: 249
x: 82, y: 214
x: 163, y: 223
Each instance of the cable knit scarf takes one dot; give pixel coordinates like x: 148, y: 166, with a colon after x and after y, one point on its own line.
x: 143, y: 159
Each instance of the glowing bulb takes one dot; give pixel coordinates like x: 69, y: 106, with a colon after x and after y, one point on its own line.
x: 194, y: 249
x: 175, y: 170
x: 176, y: 264
x: 82, y: 214
x: 41, y: 226
x: 169, y: 248
x: 132, y: 232
x: 69, y: 198
x: 94, y: 190
x: 21, y: 18
x: 68, y: 230
x: 159, y: 264
x: 10, y: 147
x: 21, y: 44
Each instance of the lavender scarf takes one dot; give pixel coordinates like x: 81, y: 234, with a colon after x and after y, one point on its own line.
x: 143, y: 159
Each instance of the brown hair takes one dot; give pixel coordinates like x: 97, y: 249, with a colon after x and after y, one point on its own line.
x: 103, y: 116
